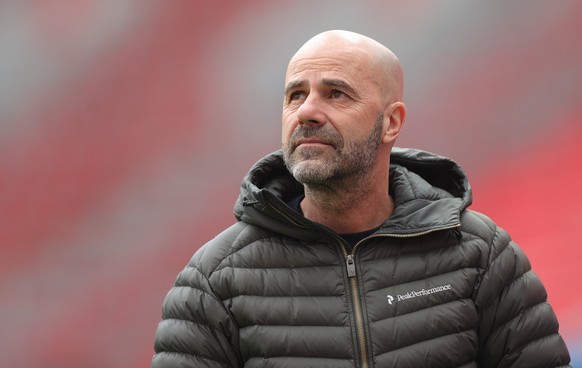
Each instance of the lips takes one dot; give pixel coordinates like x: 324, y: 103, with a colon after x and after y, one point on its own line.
x: 311, y: 141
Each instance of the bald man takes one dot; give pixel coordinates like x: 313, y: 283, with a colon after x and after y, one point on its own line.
x: 348, y: 252
x: 342, y: 112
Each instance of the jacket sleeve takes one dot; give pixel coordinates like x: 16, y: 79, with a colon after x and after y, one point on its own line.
x: 517, y: 326
x: 196, y: 329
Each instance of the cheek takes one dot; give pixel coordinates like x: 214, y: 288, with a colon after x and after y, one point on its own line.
x: 368, y: 119
x: 289, y: 123
x: 284, y: 137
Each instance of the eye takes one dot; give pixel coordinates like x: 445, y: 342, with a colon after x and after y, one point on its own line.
x: 297, y: 95
x: 294, y: 96
x: 337, y: 94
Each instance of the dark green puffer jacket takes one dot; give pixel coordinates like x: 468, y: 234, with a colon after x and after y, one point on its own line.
x: 437, y: 286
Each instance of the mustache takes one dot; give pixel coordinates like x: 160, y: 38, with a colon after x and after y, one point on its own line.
x: 323, y: 134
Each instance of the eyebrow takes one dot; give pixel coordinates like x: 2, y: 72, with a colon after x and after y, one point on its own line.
x: 326, y: 81
x: 293, y: 85
x: 341, y: 84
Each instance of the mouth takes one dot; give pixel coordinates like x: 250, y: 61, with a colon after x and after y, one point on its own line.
x: 312, y: 142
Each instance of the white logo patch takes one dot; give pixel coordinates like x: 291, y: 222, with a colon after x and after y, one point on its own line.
x: 414, y: 294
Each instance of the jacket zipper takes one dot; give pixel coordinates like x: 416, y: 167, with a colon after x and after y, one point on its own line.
x: 350, y: 263
x: 357, y: 304
x: 274, y: 208
x: 355, y: 292
x: 352, y: 277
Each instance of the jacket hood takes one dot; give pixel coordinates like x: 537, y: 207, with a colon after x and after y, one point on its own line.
x: 429, y: 191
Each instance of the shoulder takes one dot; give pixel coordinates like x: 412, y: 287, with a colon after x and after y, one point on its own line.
x: 478, y: 224
x: 499, y: 254
x: 503, y: 262
x: 211, y: 255
x: 480, y: 227
x: 214, y: 252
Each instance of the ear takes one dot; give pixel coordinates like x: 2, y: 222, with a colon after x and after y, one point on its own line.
x: 394, y: 116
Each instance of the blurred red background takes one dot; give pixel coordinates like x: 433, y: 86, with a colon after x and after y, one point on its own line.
x: 126, y: 127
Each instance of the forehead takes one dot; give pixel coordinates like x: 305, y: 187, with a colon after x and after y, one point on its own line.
x: 315, y: 68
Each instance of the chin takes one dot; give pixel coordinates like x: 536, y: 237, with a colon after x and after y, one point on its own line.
x: 310, y: 171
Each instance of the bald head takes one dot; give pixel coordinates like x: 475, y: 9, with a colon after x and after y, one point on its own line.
x: 374, y: 58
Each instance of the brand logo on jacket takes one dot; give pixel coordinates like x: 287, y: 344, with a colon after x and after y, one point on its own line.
x: 414, y: 294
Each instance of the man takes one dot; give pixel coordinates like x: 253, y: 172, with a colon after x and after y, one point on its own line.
x: 351, y: 253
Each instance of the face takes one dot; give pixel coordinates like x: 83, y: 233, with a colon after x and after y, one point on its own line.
x: 332, y: 118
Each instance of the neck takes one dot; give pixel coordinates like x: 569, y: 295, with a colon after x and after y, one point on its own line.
x: 350, y: 206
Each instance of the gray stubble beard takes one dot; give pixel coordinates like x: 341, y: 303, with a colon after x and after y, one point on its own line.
x: 353, y: 159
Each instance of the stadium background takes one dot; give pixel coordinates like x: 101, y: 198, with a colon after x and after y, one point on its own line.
x: 127, y: 125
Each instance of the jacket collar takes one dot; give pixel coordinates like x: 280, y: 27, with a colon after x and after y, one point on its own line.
x: 430, y: 192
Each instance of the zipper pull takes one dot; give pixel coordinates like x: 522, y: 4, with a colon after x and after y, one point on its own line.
x: 351, y: 266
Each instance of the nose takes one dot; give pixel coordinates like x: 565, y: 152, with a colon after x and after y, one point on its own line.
x: 311, y: 111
